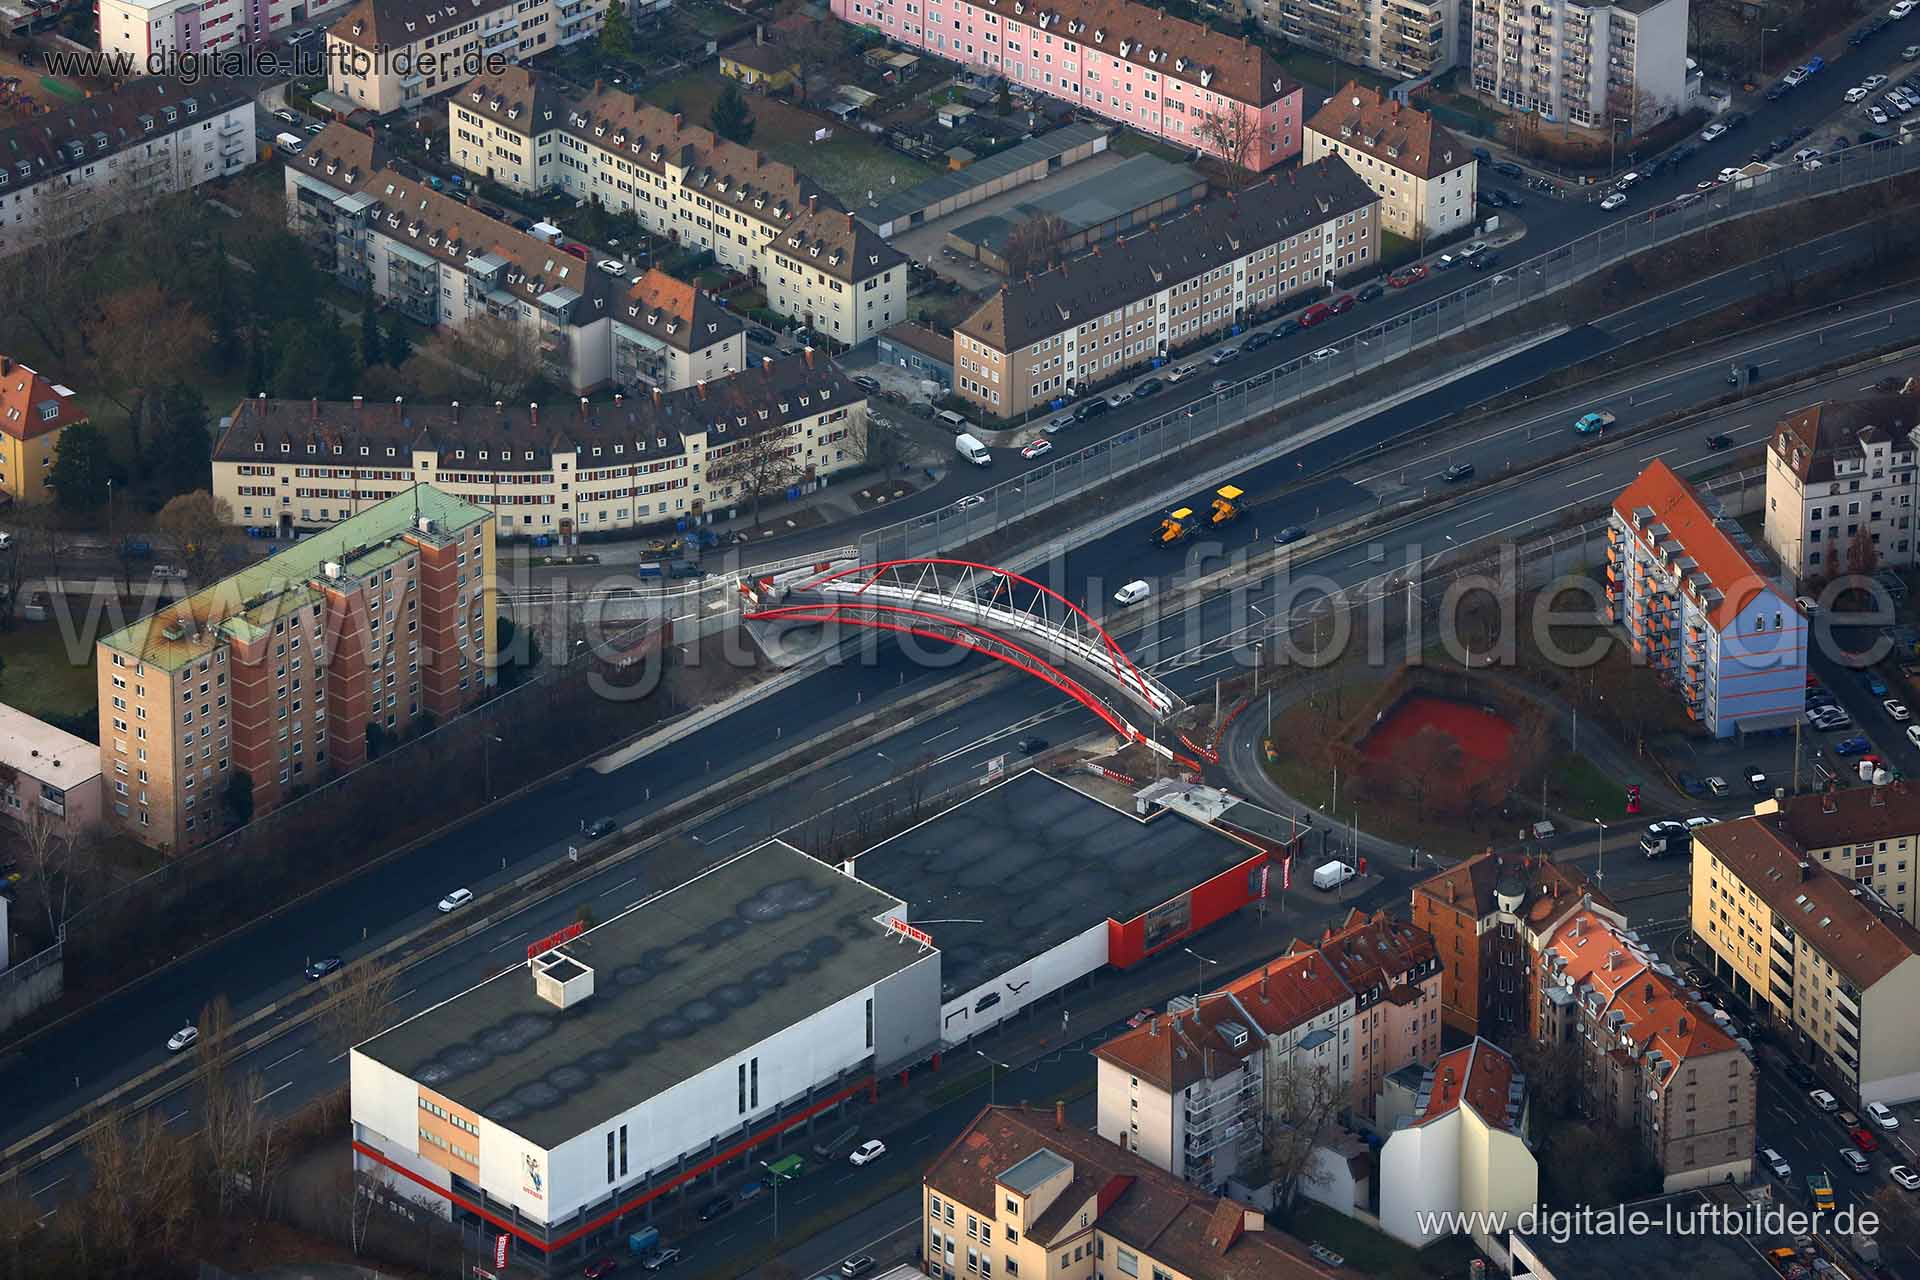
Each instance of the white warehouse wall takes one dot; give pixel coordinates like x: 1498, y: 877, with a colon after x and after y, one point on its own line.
x: 1023, y: 984
x: 1419, y: 1173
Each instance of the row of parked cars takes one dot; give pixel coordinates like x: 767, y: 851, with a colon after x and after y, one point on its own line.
x: 1862, y: 1136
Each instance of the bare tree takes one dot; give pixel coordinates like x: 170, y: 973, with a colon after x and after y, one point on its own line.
x: 759, y: 464
x: 1427, y: 759
x: 498, y: 357
x: 1235, y: 137
x: 61, y: 863
x: 1301, y: 1101
x: 361, y: 1002
x: 877, y: 440
x: 198, y: 524
x: 138, y: 1211
x: 141, y: 341
x: 1036, y: 244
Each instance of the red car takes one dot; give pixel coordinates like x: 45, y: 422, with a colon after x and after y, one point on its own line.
x: 600, y: 1267
x: 1314, y: 314
x: 579, y: 251
x: 1407, y: 275
x: 1141, y: 1018
x: 1863, y: 1140
x: 1340, y: 304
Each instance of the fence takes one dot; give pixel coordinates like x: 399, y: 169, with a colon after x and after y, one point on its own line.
x: 31, y: 984
x: 1486, y: 298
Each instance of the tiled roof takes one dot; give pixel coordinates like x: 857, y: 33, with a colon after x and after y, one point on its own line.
x: 1478, y: 1076
x: 1176, y: 1050
x: 1373, y: 951
x: 1808, y: 440
x: 1142, y: 1206
x: 27, y: 397
x: 679, y: 314
x: 1862, y: 943
x: 764, y: 51
x: 1133, y: 267
x: 83, y: 133
x: 394, y: 24
x: 642, y: 427
x: 1468, y: 887
x: 1852, y: 815
x: 1659, y: 499
x: 1154, y: 41
x: 1400, y: 137
x: 1588, y: 954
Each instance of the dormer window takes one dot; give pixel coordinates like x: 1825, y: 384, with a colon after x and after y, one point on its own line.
x: 259, y: 447
x: 513, y: 113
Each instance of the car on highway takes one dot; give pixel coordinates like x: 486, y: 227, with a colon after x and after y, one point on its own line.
x: 598, y: 828
x: 1324, y: 353
x: 1407, y: 275
x: 1776, y: 1163
x: 1031, y: 746
x: 1037, y: 449
x: 1223, y: 355
x: 661, y: 1259
x: 600, y: 1268
x: 1904, y: 1177
x: 1896, y: 711
x: 184, y: 1038
x: 969, y: 502
x: 1219, y: 384
x: 1823, y: 1100
x: 1613, y: 201
x: 1714, y: 132
x: 1457, y: 472
x: 1901, y: 10
x: 1883, y: 1116
x: 1718, y: 441
x: 322, y: 967
x: 1133, y: 593
x: 1486, y: 262
x: 455, y: 900
x: 1590, y: 423
x: 1292, y: 533
x: 1686, y: 198
x: 872, y: 1149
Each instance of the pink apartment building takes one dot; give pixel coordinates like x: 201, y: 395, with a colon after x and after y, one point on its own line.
x: 1128, y: 62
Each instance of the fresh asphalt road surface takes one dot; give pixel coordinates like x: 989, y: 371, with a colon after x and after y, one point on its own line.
x: 123, y: 1036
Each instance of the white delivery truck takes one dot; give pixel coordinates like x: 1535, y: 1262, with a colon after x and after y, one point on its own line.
x: 289, y: 143
x: 970, y: 448
x: 1331, y: 876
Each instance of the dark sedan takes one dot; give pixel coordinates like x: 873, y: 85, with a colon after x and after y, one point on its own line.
x: 1292, y: 533
x: 322, y: 967
x: 1372, y: 291
x: 1149, y: 387
x: 1717, y: 441
x: 599, y: 827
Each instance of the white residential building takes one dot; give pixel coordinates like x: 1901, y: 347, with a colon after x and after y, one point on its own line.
x: 155, y: 30
x: 1424, y: 175
x: 1841, y: 488
x: 117, y: 151
x: 1407, y: 39
x: 389, y: 55
x: 1583, y: 62
x: 1462, y: 1149
x: 49, y: 775
x: 819, y: 264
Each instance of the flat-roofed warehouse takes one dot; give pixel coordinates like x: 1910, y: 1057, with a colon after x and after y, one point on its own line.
x: 1131, y: 194
x: 561, y: 1096
x: 1033, y: 884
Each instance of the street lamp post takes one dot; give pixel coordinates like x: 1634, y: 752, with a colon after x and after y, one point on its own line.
x: 993, y: 1076
x: 486, y: 759
x: 1613, y: 142
x: 773, y: 1184
x: 1200, y: 974
x: 1763, y: 52
x: 1600, y: 861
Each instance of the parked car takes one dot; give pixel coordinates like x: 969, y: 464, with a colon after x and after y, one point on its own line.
x: 1142, y: 1017
x: 763, y: 337
x: 322, y: 967
x: 1822, y: 1100
x: 1883, y: 1116
x: 1178, y: 372
x: 600, y: 1268
x: 455, y: 900
x: 1091, y: 409
x: 720, y: 1204
x: 1855, y: 1161
x: 1896, y: 711
x: 1904, y: 1177
x: 1863, y: 1139
x: 1149, y: 387
x: 1776, y: 1163
x: 853, y: 1268
x: 1872, y: 683
x: 1407, y: 275
x: 1056, y: 425
x: 578, y: 250
x: 1341, y: 305
x: 865, y: 381
x: 1314, y: 314
x: 1713, y: 132
x: 1255, y: 341
x: 1223, y: 355
x: 1370, y: 292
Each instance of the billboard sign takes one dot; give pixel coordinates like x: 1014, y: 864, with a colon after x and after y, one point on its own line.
x: 553, y: 940
x: 901, y: 927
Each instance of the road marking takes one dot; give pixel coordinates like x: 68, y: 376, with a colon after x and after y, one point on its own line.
x: 925, y: 1137
x: 506, y: 941
x: 617, y: 888
x: 943, y: 733
x: 1698, y: 297
x: 1484, y: 515
x: 1663, y: 453
x: 724, y: 834
x: 269, y: 1093
x: 1585, y: 480
x: 1837, y: 248
x: 51, y: 1185
x: 185, y: 1111
x: 296, y: 1053
x: 336, y: 1057
x: 403, y: 995
x: 805, y: 1198
x: 1650, y: 399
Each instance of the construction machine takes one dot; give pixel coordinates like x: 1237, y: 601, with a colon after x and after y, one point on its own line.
x: 1228, y: 502
x: 1176, y: 526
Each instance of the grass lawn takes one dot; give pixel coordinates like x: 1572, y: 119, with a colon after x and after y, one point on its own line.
x: 1327, y: 74
x: 1577, y: 786
x: 1395, y: 250
x: 41, y: 678
x: 849, y: 164
x: 1375, y: 1253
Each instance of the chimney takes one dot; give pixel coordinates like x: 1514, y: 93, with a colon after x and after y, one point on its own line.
x: 1613, y: 960
x: 656, y: 397
x: 1683, y: 1024
x: 500, y: 410
x: 359, y: 402
x: 399, y: 408
x: 1649, y: 993
x: 766, y: 365
x: 849, y: 219
x: 1206, y: 1060
x: 812, y: 203
x: 700, y: 388
x: 6, y: 365
x: 759, y: 33
x: 1059, y: 1116
x: 618, y: 399
x: 583, y: 408
x: 316, y: 408
x: 533, y: 414
x: 455, y: 407
x: 678, y: 120
x: 1806, y: 869
x: 1266, y: 972
x: 808, y: 352
x: 1153, y: 1026
x: 1828, y: 801
x: 1308, y: 970
x: 598, y: 86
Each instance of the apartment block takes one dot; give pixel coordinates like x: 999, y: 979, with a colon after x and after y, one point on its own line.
x: 393, y: 55
x: 1699, y: 607
x: 1870, y: 835
x: 1461, y: 1147
x: 818, y: 263
x: 440, y: 262
x: 49, y: 778
x: 283, y: 671
x: 298, y: 465
x: 1840, y: 488
x: 155, y: 30
x: 1131, y: 63
x: 116, y: 152
x: 1656, y: 1062
x: 33, y: 413
x: 1426, y: 178
x: 1023, y: 1194
x: 1486, y: 916
x: 670, y: 334
x: 1406, y: 39
x: 1583, y: 63
x: 1224, y: 262
x: 1818, y: 951
x: 1188, y: 1090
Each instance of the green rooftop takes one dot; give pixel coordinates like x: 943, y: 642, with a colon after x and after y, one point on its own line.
x: 251, y: 601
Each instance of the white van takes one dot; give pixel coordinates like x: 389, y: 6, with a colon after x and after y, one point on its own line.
x: 1133, y: 593
x: 1332, y: 876
x: 972, y: 449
